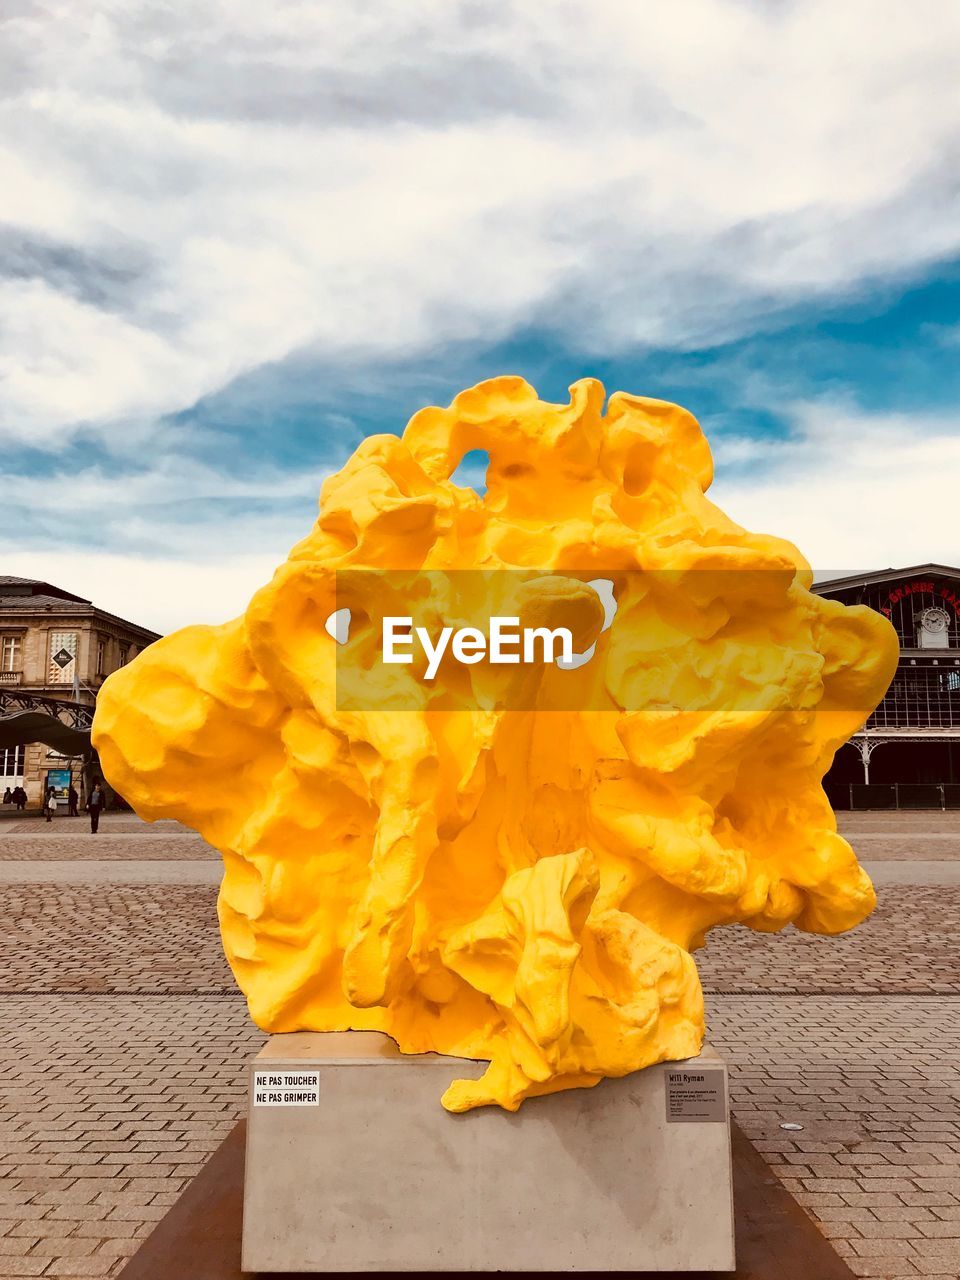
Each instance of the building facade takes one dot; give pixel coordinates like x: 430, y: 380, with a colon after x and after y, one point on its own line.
x: 58, y: 646
x: 908, y: 753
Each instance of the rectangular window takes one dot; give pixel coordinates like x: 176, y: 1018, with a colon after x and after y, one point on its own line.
x: 62, y: 662
x: 11, y: 653
x: 101, y: 650
x: 124, y: 650
x: 11, y: 762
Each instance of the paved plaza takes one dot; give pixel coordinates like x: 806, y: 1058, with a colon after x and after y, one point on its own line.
x: 124, y: 1042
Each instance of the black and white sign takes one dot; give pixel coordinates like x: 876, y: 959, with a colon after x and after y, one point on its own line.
x: 283, y: 1088
x: 62, y: 658
x: 696, y: 1095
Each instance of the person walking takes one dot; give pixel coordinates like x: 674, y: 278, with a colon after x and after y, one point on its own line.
x: 50, y: 804
x: 8, y: 796
x: 94, y: 805
x: 73, y: 799
x: 20, y: 798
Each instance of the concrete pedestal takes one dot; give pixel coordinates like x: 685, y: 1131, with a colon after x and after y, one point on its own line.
x: 352, y: 1165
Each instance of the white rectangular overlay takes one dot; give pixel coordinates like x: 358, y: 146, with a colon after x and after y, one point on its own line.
x: 286, y: 1088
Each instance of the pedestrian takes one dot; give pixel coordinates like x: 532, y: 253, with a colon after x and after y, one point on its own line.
x: 74, y: 800
x: 20, y: 798
x: 50, y: 804
x: 94, y: 805
x: 8, y: 796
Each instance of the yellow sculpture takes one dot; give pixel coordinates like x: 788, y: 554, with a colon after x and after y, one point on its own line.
x: 511, y: 865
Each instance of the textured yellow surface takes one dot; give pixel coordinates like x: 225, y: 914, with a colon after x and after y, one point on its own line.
x: 521, y: 883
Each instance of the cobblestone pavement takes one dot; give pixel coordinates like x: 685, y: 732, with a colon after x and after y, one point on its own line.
x: 110, y: 1100
x: 109, y: 1109
x: 918, y: 872
x: 163, y: 938
x: 908, y: 945
x: 119, y: 837
x: 901, y: 822
x: 124, y: 939
x: 125, y: 871
x: 118, y: 823
x: 35, y: 847
x: 875, y: 1084
x: 879, y: 846
x: 903, y: 831
x: 905, y: 836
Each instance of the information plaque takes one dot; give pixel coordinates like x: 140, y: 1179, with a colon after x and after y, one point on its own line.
x: 696, y: 1095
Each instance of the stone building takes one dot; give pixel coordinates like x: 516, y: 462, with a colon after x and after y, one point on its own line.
x: 57, y: 646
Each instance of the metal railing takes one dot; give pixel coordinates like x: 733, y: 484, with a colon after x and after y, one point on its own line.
x: 893, y: 795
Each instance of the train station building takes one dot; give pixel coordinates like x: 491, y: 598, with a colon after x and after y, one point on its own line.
x: 908, y: 753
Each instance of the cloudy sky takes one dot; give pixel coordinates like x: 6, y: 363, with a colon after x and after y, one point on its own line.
x: 235, y: 240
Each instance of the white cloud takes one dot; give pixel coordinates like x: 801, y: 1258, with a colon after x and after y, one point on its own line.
x: 854, y: 491
x: 381, y: 180
x: 160, y: 594
x: 170, y: 479
x: 187, y: 198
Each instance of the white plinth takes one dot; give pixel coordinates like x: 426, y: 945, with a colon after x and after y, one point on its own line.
x: 376, y: 1176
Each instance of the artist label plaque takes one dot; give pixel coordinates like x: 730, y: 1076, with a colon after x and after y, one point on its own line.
x: 278, y: 1088
x: 696, y: 1095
